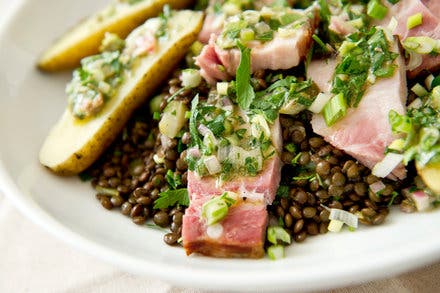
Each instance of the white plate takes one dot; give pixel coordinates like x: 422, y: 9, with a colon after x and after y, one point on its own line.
x: 30, y: 102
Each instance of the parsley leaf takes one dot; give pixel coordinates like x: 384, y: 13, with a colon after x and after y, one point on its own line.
x: 283, y: 191
x: 245, y: 92
x: 173, y: 179
x: 171, y: 198
x: 195, y: 138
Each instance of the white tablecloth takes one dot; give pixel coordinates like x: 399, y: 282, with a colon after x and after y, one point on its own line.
x: 31, y: 260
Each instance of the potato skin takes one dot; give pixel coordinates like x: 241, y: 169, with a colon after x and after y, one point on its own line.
x: 431, y: 176
x: 113, y: 124
x: 67, y: 52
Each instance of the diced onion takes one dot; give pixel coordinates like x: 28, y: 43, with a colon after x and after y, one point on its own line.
x: 191, y: 78
x: 158, y: 160
x: 251, y: 16
x: 416, y: 104
x: 259, y: 124
x: 165, y: 141
x: 387, y: 165
x: 262, y: 28
x: 222, y: 88
x: 194, y: 152
x: 319, y: 103
x: 212, y: 165
x: 421, y: 200
x: 419, y: 90
x: 344, y: 217
x: 231, y: 9
x: 203, y: 129
x: 393, y: 24
x: 377, y: 186
x: 335, y: 226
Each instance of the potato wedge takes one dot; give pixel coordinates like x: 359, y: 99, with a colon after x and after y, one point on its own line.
x: 73, y: 145
x: 431, y: 176
x: 84, y: 39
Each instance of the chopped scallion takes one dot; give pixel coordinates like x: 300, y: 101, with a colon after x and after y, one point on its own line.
x: 335, y: 109
x: 107, y: 191
x: 156, y: 116
x: 414, y: 20
x: 399, y: 123
x: 275, y: 252
x: 376, y: 10
x: 216, y: 209
x: 274, y: 234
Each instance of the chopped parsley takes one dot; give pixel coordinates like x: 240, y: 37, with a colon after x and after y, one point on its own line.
x: 420, y: 130
x: 245, y: 92
x: 171, y: 198
x: 365, y: 56
x: 174, y: 180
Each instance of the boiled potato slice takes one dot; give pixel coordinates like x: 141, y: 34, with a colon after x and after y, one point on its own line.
x: 73, y: 145
x: 430, y: 175
x: 84, y: 40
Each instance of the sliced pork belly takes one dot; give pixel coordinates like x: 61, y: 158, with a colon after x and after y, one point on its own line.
x: 284, y: 51
x: 262, y: 187
x: 210, y: 65
x: 430, y: 10
x: 280, y: 53
x: 364, y: 132
x: 241, y: 234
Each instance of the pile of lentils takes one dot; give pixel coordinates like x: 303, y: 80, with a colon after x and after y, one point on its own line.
x: 129, y: 177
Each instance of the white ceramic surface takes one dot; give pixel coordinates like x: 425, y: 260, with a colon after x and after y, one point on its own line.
x: 30, y: 102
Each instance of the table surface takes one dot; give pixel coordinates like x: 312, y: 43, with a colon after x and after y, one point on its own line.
x: 31, y: 260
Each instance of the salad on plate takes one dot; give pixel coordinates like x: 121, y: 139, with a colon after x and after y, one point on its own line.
x: 239, y: 127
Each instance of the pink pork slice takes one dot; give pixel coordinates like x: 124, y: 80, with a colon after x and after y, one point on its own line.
x: 364, y: 132
x: 243, y: 229
x: 430, y: 27
x: 279, y: 53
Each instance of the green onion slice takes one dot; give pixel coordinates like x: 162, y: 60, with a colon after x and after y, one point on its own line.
x: 275, y: 252
x: 335, y: 109
x: 414, y: 20
x: 376, y: 10
x: 275, y: 233
x: 216, y: 209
